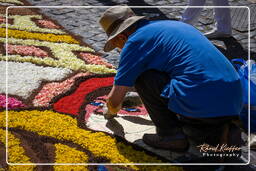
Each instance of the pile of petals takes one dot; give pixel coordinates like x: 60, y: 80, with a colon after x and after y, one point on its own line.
x: 48, y: 24
x: 26, y: 50
x: 50, y: 90
x: 2, y: 19
x: 93, y: 59
x: 72, y: 103
x: 12, y: 102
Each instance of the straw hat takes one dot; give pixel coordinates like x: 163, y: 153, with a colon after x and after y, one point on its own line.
x: 115, y: 20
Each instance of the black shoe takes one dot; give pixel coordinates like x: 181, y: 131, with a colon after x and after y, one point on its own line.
x: 175, y: 143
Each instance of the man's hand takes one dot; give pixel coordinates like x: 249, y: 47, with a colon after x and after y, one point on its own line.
x: 114, y: 101
x: 109, y: 111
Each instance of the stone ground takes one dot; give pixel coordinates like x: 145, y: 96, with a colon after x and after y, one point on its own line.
x: 83, y: 21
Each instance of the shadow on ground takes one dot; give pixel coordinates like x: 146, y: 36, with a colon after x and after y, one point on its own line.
x: 234, y: 49
x: 151, y: 13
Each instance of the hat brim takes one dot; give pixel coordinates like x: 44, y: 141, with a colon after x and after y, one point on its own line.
x: 122, y: 27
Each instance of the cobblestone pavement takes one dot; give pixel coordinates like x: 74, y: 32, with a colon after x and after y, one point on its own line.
x: 83, y: 21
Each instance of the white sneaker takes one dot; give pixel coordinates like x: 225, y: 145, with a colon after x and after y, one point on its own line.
x: 216, y: 34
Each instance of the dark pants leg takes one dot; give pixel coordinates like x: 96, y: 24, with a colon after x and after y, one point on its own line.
x: 149, y: 86
x: 211, y: 130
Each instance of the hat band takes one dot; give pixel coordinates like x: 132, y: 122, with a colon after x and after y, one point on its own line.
x: 113, y: 26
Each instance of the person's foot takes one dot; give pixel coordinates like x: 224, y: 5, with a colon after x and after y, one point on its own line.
x: 175, y: 143
x: 214, y: 34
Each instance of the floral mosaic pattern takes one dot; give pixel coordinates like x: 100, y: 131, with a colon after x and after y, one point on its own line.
x: 30, y: 23
x: 13, y: 2
x: 97, y: 109
x: 26, y: 51
x: 31, y: 79
x: 94, y: 59
x: 66, y: 154
x: 53, y: 83
x: 48, y: 24
x: 63, y: 54
x: 12, y: 103
x: 53, y: 89
x: 74, y: 101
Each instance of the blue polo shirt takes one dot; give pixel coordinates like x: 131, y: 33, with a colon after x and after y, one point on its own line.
x: 203, y: 83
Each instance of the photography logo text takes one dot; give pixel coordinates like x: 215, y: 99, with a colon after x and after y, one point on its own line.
x: 220, y: 150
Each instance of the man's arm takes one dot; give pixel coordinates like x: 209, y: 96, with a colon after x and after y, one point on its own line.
x: 114, y: 101
x: 117, y: 94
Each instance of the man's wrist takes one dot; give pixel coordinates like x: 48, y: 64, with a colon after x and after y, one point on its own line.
x: 112, y: 109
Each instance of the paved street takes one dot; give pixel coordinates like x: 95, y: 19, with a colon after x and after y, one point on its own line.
x: 83, y: 21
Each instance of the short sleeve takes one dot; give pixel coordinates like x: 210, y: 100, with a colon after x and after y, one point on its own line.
x: 133, y: 61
